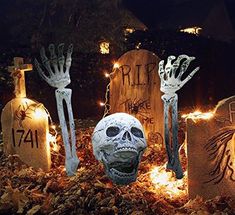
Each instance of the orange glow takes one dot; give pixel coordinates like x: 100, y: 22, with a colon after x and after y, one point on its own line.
x: 39, y: 113
x: 129, y: 31
x: 101, y: 104
x: 106, y: 75
x: 138, y: 46
x: 116, y: 65
x: 166, y: 183
x: 104, y: 48
x: 55, y: 147
x: 197, y: 115
x: 192, y: 30
x: 52, y: 139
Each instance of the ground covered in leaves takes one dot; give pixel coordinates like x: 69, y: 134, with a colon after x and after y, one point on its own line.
x: 24, y: 190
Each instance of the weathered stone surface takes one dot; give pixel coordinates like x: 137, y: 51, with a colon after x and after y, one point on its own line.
x: 25, y: 132
x: 135, y: 89
x: 211, y: 154
x: 25, y: 124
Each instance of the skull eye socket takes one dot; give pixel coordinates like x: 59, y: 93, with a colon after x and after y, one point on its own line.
x: 137, y: 132
x: 112, y: 131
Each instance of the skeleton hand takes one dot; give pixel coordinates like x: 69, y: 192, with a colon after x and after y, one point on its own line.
x: 57, y: 78
x: 60, y: 79
x: 170, y: 82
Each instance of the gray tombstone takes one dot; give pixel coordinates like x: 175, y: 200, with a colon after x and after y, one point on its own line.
x: 211, y: 152
x: 135, y: 89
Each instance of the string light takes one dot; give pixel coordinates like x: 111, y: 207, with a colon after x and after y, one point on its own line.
x: 102, y: 104
x: 116, y: 65
x: 52, y: 135
x: 138, y: 45
x: 106, y: 75
x: 38, y: 111
x: 128, y: 31
x: 105, y: 104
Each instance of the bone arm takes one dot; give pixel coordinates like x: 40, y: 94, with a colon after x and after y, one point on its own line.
x: 72, y: 160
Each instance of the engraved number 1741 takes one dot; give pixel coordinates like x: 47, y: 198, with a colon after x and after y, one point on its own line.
x: 24, y: 137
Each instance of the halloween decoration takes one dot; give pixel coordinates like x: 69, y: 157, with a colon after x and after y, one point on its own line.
x: 119, y: 142
x: 170, y: 83
x: 211, y: 154
x: 59, y: 78
x: 135, y: 89
x: 156, y: 191
x: 25, y: 123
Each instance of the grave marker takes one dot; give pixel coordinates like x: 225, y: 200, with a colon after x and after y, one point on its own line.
x: 25, y: 123
x: 135, y: 89
x: 211, y: 154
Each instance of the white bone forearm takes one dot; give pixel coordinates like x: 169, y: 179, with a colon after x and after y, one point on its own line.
x: 60, y: 96
x: 166, y: 126
x: 71, y: 125
x: 72, y: 160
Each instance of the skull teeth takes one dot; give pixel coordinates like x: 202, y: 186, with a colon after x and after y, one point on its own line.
x: 125, y: 149
x: 121, y: 174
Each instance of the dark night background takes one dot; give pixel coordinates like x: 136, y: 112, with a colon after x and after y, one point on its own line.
x: 153, y: 13
x: 27, y: 25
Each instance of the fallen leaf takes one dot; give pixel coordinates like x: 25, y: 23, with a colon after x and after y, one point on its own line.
x: 34, y: 210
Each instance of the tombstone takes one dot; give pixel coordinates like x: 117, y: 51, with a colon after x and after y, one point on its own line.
x: 25, y: 123
x: 211, y: 152
x: 135, y: 89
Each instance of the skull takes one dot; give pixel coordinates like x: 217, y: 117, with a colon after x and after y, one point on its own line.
x: 119, y: 142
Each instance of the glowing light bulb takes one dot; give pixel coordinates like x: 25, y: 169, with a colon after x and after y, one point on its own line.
x: 106, y: 75
x: 102, y: 104
x: 138, y: 46
x: 38, y: 113
x: 116, y: 65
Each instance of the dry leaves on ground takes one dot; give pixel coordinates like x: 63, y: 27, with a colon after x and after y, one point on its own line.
x: 24, y: 190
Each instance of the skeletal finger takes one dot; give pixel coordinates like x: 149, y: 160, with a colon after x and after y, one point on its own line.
x: 161, y: 69
x: 69, y: 58
x: 40, y: 71
x: 182, y: 56
x: 176, y: 64
x: 45, y: 61
x: 169, y: 59
x: 61, y: 57
x: 189, y: 76
x: 53, y: 57
x: 185, y: 66
x: 168, y: 67
x: 52, y: 52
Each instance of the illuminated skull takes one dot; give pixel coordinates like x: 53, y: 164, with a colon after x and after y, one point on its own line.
x: 119, y: 142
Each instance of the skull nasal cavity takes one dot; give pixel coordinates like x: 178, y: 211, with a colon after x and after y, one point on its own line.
x: 127, y: 136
